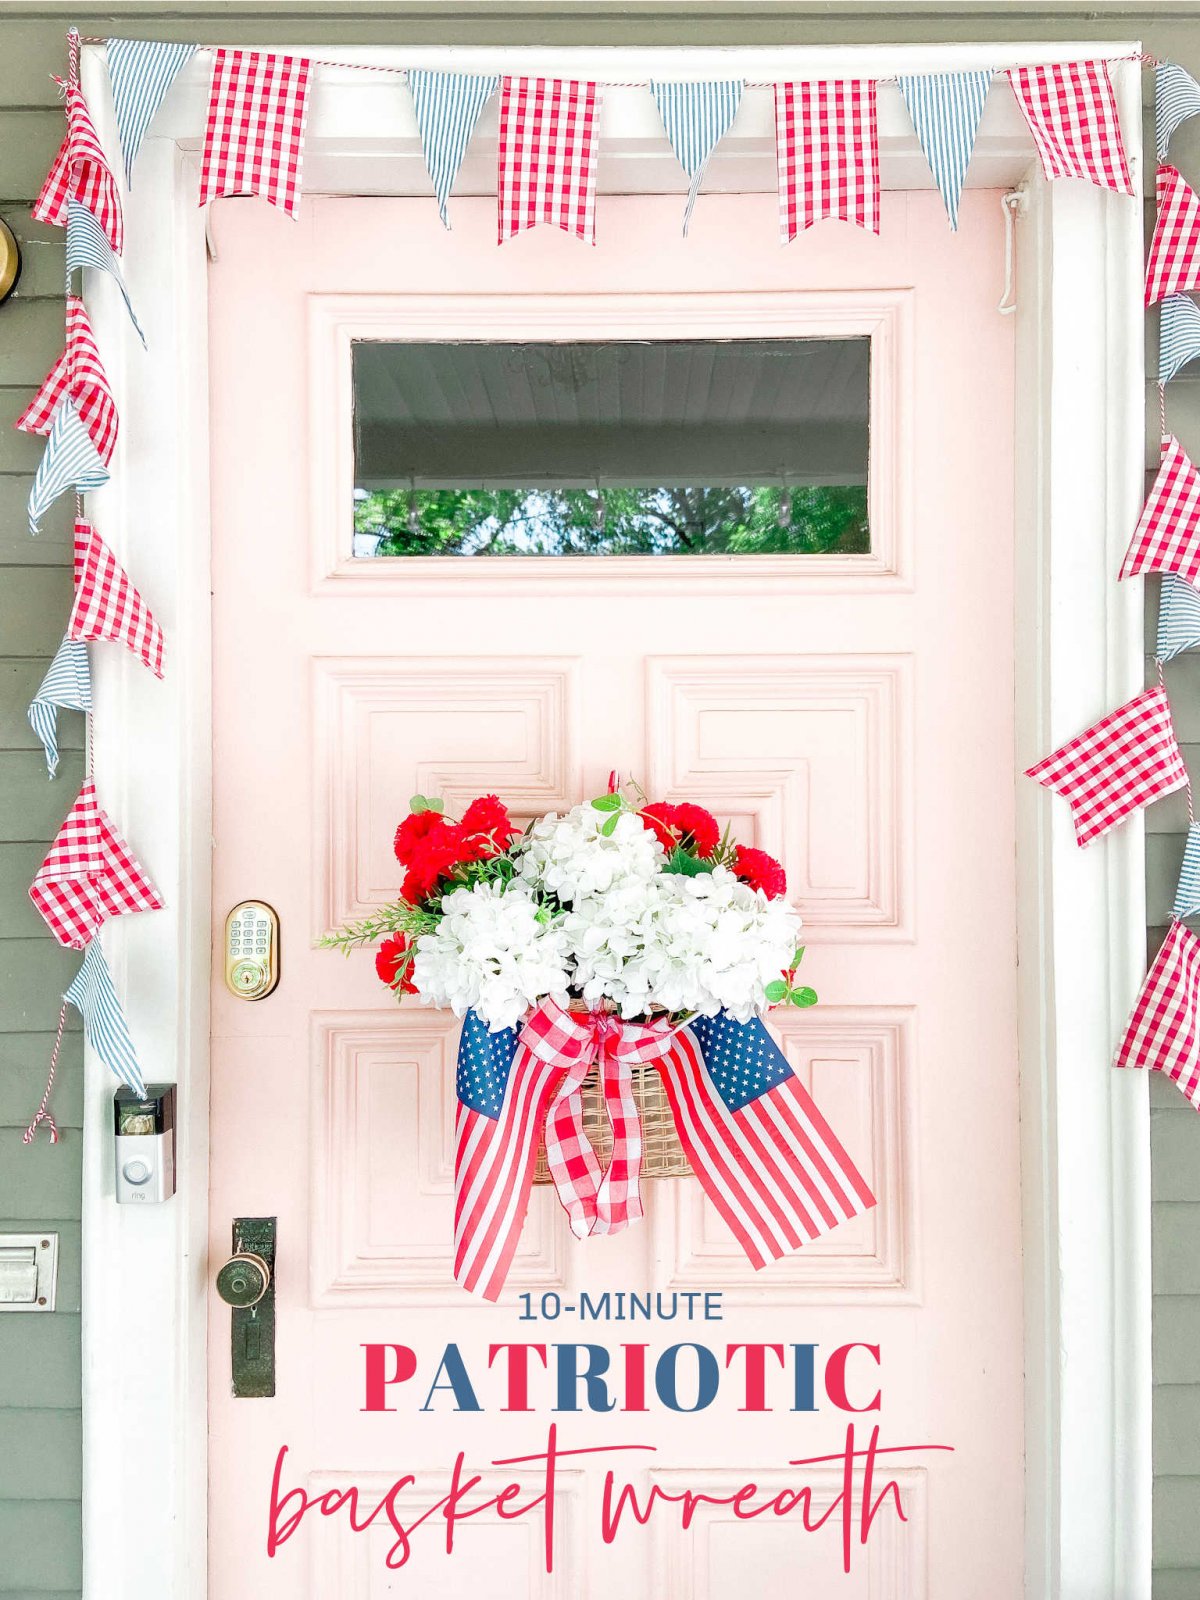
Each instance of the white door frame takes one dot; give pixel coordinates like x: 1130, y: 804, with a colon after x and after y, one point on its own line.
x: 1085, y: 1129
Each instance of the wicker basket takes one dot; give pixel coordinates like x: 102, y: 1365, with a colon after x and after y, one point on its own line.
x: 662, y: 1153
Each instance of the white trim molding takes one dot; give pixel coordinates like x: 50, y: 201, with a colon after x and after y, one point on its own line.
x: 1078, y: 642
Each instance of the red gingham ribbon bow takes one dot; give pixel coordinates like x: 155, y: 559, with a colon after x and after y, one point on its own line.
x: 595, y: 1202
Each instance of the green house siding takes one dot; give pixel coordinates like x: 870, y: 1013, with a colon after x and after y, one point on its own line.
x: 40, y: 1546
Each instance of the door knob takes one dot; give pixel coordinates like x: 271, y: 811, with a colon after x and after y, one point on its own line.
x: 243, y: 1280
x: 246, y: 1283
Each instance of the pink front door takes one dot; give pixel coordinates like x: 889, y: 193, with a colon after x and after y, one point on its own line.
x: 852, y: 714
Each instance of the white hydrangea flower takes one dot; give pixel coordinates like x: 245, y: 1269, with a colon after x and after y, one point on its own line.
x: 570, y: 858
x: 683, y: 944
x: 490, y: 953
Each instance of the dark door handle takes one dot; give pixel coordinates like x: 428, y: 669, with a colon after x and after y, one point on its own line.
x: 246, y: 1283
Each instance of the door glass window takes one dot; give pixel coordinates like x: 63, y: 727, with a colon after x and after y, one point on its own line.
x: 658, y: 448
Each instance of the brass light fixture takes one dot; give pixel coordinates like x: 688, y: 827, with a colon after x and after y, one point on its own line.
x: 10, y: 261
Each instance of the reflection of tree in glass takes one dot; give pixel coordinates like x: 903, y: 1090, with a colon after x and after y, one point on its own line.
x: 582, y: 522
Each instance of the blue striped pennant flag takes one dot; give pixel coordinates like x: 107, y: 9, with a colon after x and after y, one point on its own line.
x: 1178, y: 335
x: 697, y: 116
x: 1176, y: 98
x: 67, y: 683
x: 447, y: 106
x: 945, y: 108
x: 88, y: 246
x: 1178, y: 617
x: 70, y: 461
x: 93, y: 996
x: 1187, y: 895
x: 140, y: 72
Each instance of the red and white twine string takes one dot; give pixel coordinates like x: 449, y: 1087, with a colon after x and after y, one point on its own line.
x: 43, y: 1113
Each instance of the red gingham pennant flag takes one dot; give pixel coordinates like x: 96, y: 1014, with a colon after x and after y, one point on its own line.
x: 254, y: 141
x: 78, y: 372
x: 827, y: 153
x: 1173, y: 266
x: 1072, y: 114
x: 1126, y: 760
x: 1165, y: 539
x: 107, y: 606
x: 547, y: 155
x: 81, y: 172
x: 88, y: 875
x: 1163, y: 1031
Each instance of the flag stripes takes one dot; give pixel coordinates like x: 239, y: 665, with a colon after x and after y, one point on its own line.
x: 1126, y: 760
x: 1173, y: 266
x: 70, y: 461
x: 945, y: 108
x: 254, y: 136
x: 547, y: 156
x: 696, y: 116
x: 1176, y: 98
x: 827, y: 154
x: 67, y: 683
x: 1178, y: 618
x: 447, y: 105
x: 95, y: 998
x: 1072, y: 114
x: 140, y: 73
x: 1165, y: 539
x: 107, y: 606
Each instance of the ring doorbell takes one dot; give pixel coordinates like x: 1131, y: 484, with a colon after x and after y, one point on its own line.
x: 144, y: 1143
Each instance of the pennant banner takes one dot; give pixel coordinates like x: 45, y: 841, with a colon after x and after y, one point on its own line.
x: 78, y: 372
x: 1126, y: 760
x: 945, y: 108
x: 1178, y: 618
x: 254, y: 138
x: 107, y: 606
x: 697, y: 116
x: 89, y: 874
x: 1163, y: 1031
x: 1173, y: 266
x: 67, y: 683
x: 1187, y: 895
x: 88, y: 247
x: 547, y: 156
x: 81, y: 173
x: 1072, y: 114
x: 1176, y: 98
x: 95, y: 998
x: 447, y: 105
x: 1165, y: 538
x: 141, y: 71
x: 1178, y: 335
x: 827, y: 154
x: 70, y: 461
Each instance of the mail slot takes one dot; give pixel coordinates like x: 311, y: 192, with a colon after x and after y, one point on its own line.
x: 28, y: 1271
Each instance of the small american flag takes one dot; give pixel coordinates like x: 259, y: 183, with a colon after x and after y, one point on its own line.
x: 1072, y: 114
x: 1173, y: 265
x: 1126, y: 760
x: 107, y: 606
x: 827, y: 154
x: 81, y: 172
x: 1163, y: 1031
x: 254, y: 138
x: 79, y: 374
x: 89, y: 874
x: 547, y: 156
x: 1167, y: 537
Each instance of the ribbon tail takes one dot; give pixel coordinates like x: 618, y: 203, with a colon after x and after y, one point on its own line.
x: 619, y: 1197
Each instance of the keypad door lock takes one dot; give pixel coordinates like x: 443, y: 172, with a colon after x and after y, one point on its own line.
x: 251, y: 950
x: 246, y: 1283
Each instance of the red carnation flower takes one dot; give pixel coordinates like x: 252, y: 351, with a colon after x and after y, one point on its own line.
x: 415, y: 827
x: 487, y: 827
x: 434, y: 858
x: 686, y: 825
x: 760, y: 871
x: 389, y: 958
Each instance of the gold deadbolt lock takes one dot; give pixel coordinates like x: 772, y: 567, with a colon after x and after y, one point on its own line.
x: 251, y: 950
